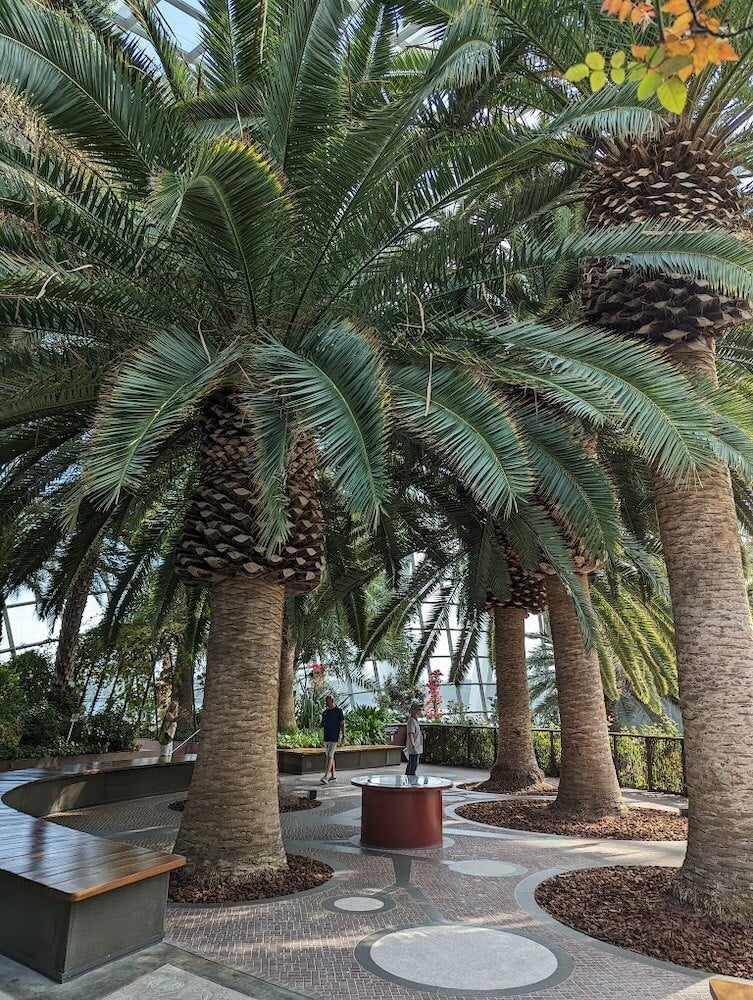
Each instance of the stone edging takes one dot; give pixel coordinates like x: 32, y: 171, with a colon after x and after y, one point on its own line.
x: 526, y: 900
x: 509, y: 832
x: 341, y: 873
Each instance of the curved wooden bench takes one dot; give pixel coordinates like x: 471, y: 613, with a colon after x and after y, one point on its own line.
x: 723, y: 989
x: 72, y: 901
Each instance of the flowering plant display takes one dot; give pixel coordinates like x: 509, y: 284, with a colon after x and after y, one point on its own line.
x: 433, y: 699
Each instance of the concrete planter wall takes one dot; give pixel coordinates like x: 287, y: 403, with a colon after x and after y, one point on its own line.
x: 309, y: 760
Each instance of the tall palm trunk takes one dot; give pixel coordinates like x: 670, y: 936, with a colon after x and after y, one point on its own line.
x: 286, y: 703
x: 183, y: 687
x: 690, y: 175
x: 588, y: 780
x: 714, y: 644
x: 231, y: 826
x: 64, y: 694
x: 516, y: 766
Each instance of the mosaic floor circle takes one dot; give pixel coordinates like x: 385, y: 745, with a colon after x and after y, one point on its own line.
x: 459, y: 958
x: 358, y: 904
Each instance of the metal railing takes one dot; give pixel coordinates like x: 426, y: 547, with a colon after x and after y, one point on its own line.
x: 188, y: 740
x: 653, y: 763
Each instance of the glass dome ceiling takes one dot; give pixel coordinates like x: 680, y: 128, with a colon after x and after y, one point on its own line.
x: 184, y: 20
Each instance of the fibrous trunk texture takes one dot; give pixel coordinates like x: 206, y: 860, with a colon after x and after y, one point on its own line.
x: 516, y: 766
x: 222, y: 533
x: 64, y: 693
x: 286, y: 703
x: 588, y: 780
x: 714, y: 644
x: 230, y: 828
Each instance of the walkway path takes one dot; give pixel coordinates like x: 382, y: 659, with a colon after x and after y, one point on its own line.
x: 456, y: 921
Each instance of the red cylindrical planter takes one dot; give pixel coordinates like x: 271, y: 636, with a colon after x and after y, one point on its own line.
x: 398, y: 812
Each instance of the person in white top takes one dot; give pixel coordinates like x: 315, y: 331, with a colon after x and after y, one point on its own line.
x: 167, y: 733
x: 415, y: 740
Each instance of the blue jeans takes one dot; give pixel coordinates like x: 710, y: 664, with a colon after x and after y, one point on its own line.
x: 412, y: 763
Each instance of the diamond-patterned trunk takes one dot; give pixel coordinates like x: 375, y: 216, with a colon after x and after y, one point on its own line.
x: 221, y: 535
x: 676, y: 178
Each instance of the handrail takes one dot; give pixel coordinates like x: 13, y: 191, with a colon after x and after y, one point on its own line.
x: 656, y: 763
x: 187, y: 740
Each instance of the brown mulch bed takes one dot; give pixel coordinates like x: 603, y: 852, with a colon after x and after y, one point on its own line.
x: 295, y: 803
x: 484, y: 786
x: 292, y: 803
x: 636, y: 824
x: 632, y: 908
x: 302, y: 873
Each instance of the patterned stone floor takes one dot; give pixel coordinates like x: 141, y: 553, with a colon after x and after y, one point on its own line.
x: 456, y: 921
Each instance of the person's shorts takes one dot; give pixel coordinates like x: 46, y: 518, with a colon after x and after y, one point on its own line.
x: 330, y: 748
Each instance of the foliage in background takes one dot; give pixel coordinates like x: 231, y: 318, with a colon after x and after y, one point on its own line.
x: 433, y: 696
x: 364, y: 725
x: 400, y: 690
x: 686, y: 41
x: 32, y: 727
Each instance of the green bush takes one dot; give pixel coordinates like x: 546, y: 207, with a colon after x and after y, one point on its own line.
x: 300, y: 738
x: 40, y: 730
x: 43, y: 725
x: 367, y: 725
x: 107, y: 731
x: 10, y: 738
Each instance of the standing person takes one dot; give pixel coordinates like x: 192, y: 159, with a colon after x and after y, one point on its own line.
x: 415, y: 740
x: 333, y: 723
x: 167, y: 733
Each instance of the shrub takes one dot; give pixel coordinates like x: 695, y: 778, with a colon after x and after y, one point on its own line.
x: 43, y: 725
x: 400, y: 690
x: 10, y: 737
x: 300, y: 738
x: 107, y: 731
x: 367, y: 725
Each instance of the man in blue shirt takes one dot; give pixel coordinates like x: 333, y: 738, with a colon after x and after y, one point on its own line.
x: 333, y: 722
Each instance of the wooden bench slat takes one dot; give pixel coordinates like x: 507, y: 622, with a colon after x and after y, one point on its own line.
x: 71, y: 863
x: 723, y: 989
x: 77, y: 889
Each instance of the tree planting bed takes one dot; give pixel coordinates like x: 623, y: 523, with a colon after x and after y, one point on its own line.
x: 633, y: 908
x: 302, y: 873
x: 635, y: 824
x: 288, y: 803
x: 485, y: 786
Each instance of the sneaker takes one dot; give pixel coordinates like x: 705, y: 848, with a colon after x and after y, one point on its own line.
x: 322, y: 781
x: 332, y: 777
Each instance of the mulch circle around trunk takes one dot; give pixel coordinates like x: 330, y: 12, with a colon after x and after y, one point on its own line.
x: 632, y: 908
x: 301, y: 874
x: 635, y: 824
x: 292, y: 803
x: 485, y: 786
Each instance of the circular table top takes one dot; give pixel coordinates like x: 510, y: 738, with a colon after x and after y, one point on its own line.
x: 402, y: 782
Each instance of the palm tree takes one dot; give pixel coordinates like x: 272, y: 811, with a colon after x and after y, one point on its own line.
x: 685, y: 171
x: 286, y: 701
x: 64, y: 693
x: 209, y: 280
x: 515, y: 767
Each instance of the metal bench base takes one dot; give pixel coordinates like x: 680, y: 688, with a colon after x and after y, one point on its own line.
x: 64, y: 938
